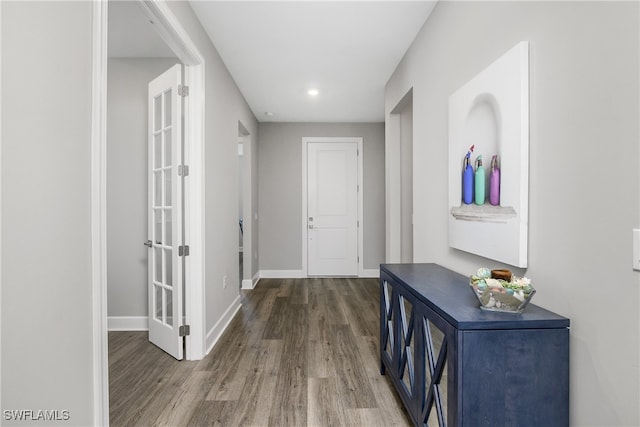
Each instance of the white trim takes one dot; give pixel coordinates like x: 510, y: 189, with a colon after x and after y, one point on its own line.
x: 299, y: 274
x: 282, y: 274
x: 249, y: 284
x: 194, y: 215
x: 305, y: 143
x: 128, y: 323
x: 221, y: 326
x: 172, y: 32
x: 179, y: 41
x: 360, y: 208
x: 99, y: 213
x: 1, y: 206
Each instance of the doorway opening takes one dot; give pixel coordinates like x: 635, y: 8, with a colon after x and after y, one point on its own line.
x: 240, y: 210
x: 166, y: 26
x: 247, y: 257
x: 399, y: 166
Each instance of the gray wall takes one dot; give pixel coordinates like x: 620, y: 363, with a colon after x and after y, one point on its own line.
x: 225, y: 106
x: 46, y: 199
x: 583, y: 183
x: 280, y: 190
x: 127, y: 180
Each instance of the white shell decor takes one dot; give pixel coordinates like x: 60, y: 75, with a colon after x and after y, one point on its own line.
x: 496, y: 294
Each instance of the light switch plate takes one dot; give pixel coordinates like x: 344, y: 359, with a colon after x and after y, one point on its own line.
x: 636, y: 249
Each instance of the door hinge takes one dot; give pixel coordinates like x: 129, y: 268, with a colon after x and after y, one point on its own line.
x: 358, y: 221
x: 358, y: 188
x: 183, y: 170
x: 184, y: 330
x: 183, y: 250
x: 183, y: 90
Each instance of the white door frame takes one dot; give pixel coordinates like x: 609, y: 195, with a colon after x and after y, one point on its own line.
x: 179, y: 41
x: 305, y: 143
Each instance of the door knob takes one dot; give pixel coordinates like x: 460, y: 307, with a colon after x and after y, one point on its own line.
x: 148, y: 243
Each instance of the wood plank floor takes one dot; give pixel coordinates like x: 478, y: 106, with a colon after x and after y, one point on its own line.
x: 300, y: 352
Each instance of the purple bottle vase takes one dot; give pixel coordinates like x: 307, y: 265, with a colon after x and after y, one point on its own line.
x: 494, y: 182
x: 467, y: 182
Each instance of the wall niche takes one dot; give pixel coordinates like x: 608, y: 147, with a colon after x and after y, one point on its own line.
x: 491, y: 114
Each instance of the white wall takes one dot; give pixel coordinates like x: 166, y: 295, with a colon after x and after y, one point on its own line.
x: 280, y: 198
x: 225, y: 106
x: 584, y: 181
x: 127, y: 180
x: 46, y: 201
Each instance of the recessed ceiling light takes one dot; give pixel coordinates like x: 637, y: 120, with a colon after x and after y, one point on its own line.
x: 268, y: 114
x: 313, y: 92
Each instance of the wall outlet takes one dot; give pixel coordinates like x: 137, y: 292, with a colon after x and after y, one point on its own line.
x: 636, y: 249
x: 224, y: 282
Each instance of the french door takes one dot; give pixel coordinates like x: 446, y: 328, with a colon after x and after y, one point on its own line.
x: 165, y: 283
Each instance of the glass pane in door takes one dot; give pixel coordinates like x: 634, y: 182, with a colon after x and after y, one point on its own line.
x: 157, y: 226
x: 168, y: 273
x: 167, y: 188
x: 157, y: 116
x: 167, y: 147
x: 157, y: 297
x: 157, y: 150
x: 167, y: 228
x: 169, y: 313
x: 157, y: 193
x: 167, y: 109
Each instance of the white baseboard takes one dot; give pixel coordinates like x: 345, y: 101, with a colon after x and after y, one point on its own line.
x: 281, y: 274
x: 298, y: 274
x: 128, y: 323
x: 221, y: 325
x: 370, y: 273
x: 250, y: 284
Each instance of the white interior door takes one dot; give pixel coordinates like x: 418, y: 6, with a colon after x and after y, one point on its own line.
x: 165, y: 212
x: 332, y: 208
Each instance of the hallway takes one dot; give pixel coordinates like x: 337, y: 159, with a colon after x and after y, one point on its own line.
x: 300, y: 352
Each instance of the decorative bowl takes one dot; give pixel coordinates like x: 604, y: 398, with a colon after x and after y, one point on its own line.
x: 500, y: 295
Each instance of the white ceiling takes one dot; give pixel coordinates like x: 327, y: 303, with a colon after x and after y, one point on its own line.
x: 277, y: 50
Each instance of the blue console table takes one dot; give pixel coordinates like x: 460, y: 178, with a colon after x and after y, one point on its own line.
x: 455, y: 364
